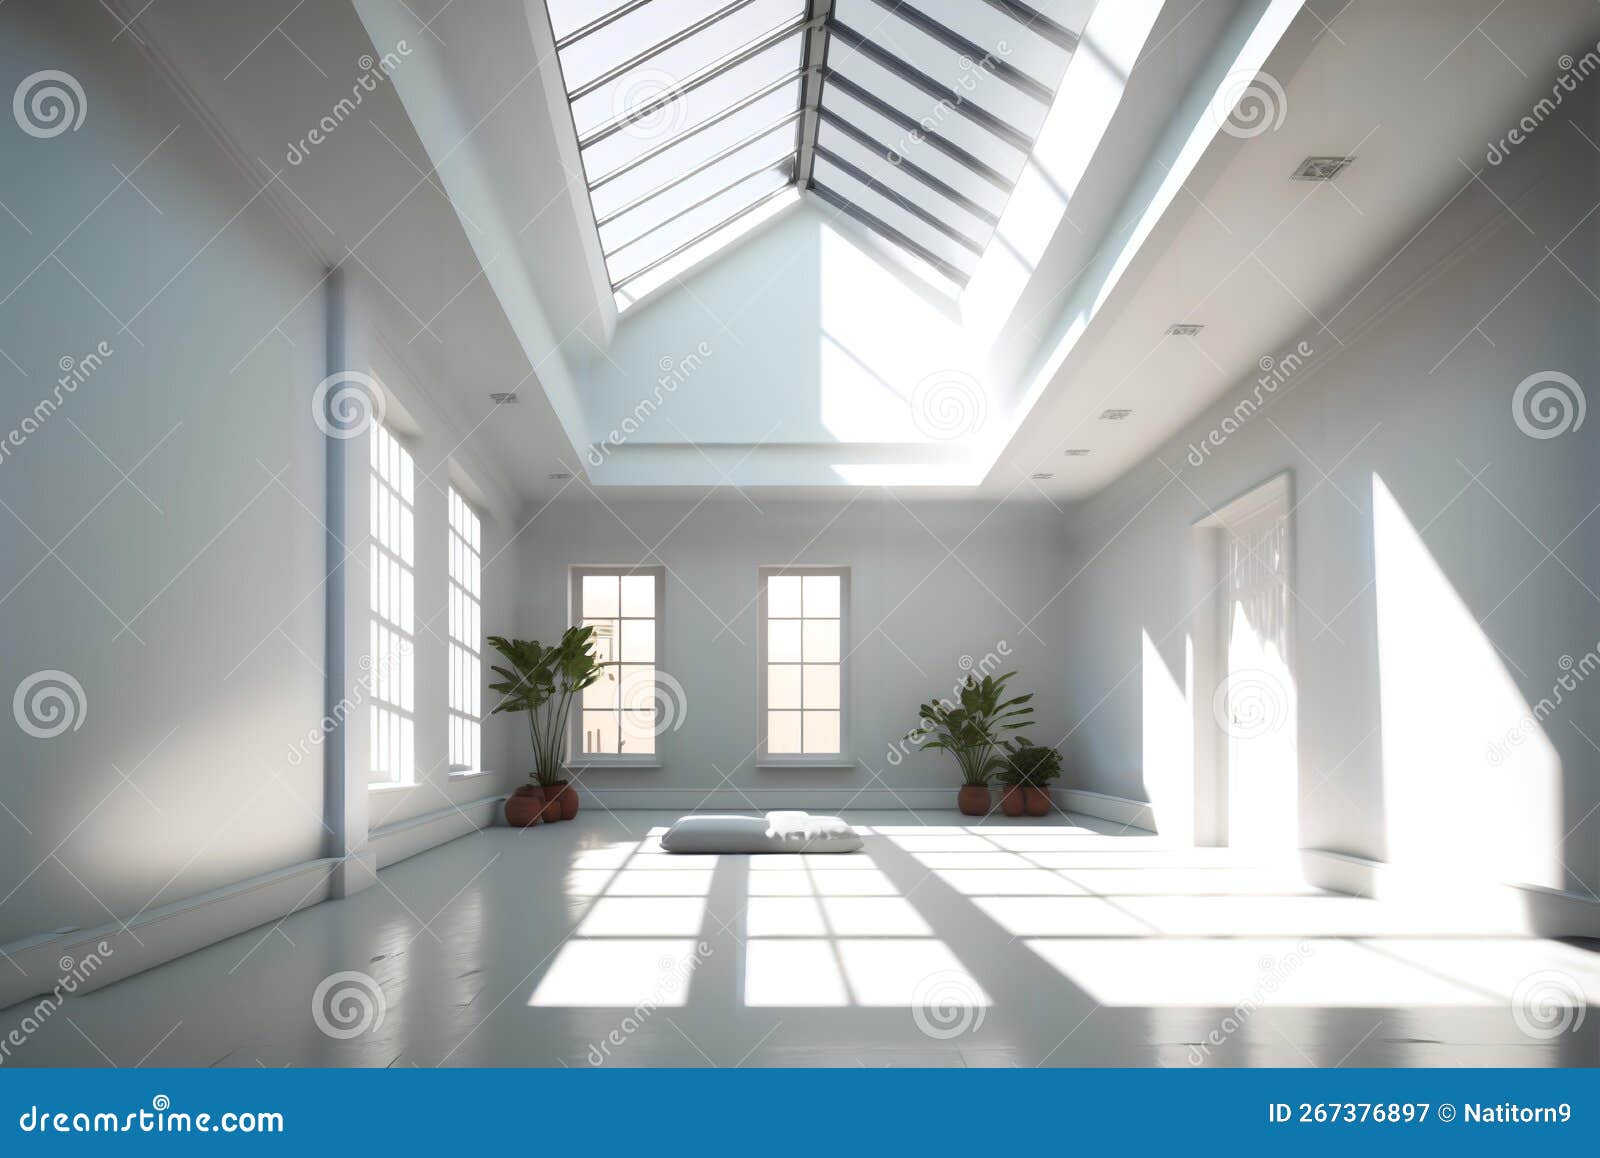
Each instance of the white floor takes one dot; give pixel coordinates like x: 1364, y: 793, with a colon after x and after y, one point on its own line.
x: 945, y: 943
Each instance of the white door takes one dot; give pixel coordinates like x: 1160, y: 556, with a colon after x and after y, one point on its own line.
x: 1255, y: 702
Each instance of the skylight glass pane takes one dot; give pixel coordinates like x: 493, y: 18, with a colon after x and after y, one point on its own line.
x: 916, y: 48
x: 660, y: 73
x: 671, y: 164
x: 886, y: 211
x: 567, y: 16
x: 918, y: 152
x: 766, y: 151
x: 933, y: 115
x: 630, y: 259
x: 902, y: 182
x: 629, y: 35
x: 694, y: 107
x: 1009, y: 39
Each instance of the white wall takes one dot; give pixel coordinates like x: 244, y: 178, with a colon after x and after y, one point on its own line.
x: 186, y: 601
x: 1429, y: 616
x: 915, y: 611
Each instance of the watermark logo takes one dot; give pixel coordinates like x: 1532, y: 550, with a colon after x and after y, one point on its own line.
x: 657, y: 692
x: 74, y: 974
x: 674, y: 373
x: 644, y: 89
x: 1250, y: 703
x: 1573, y: 673
x: 48, y: 103
x: 74, y: 373
x: 48, y: 703
x: 671, y: 983
x: 949, y: 404
x: 348, y: 1004
x: 947, y: 1004
x: 1274, y: 373
x: 1547, y: 1004
x: 373, y: 676
x: 1548, y: 404
x: 373, y: 73
x: 1249, y: 103
x: 1573, y: 73
x: 1272, y: 973
x: 347, y: 404
x: 991, y: 662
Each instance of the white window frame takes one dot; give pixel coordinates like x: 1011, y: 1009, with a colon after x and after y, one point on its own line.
x: 464, y: 643
x: 392, y: 685
x: 576, y: 756
x: 765, y: 758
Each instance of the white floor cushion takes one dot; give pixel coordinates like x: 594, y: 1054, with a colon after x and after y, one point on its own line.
x: 774, y: 832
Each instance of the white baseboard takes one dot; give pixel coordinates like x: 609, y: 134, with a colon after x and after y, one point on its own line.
x: 1115, y: 808
x: 889, y: 799
x: 1530, y: 909
x: 81, y: 960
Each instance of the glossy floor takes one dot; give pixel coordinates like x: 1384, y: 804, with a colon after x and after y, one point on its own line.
x: 946, y: 942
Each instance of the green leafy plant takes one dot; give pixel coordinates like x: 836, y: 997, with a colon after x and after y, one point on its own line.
x: 543, y: 681
x: 973, y: 726
x: 1027, y: 765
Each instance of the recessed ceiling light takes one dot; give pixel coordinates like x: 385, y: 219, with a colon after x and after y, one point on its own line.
x: 1076, y: 452
x: 560, y: 476
x: 1042, y: 475
x: 1321, y: 168
x: 504, y: 398
x: 1184, y: 329
x: 1114, y: 415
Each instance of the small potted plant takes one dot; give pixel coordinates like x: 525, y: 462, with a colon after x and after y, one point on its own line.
x: 972, y: 729
x: 1027, y: 771
x: 543, y: 681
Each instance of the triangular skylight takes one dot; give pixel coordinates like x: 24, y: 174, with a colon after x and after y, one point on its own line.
x: 913, y: 117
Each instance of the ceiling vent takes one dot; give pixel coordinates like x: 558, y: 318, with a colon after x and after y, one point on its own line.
x: 1114, y: 415
x: 1042, y: 475
x: 504, y: 398
x: 560, y: 476
x: 1076, y: 452
x: 1184, y: 329
x: 1321, y: 168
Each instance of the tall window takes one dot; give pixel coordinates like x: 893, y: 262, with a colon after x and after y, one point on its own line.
x: 466, y: 630
x: 802, y: 637
x: 619, y: 716
x: 392, y: 678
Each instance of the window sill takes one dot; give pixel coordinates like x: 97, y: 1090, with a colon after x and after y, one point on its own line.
x: 807, y: 762
x: 586, y: 765
x: 470, y: 774
x: 406, y: 787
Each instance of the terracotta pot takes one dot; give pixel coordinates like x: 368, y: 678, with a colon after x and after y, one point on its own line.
x: 524, y: 805
x: 569, y: 802
x: 1037, y: 801
x: 552, y: 802
x: 1011, y: 800
x: 973, y: 799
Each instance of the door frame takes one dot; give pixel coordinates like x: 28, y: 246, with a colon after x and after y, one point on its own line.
x: 1208, y: 575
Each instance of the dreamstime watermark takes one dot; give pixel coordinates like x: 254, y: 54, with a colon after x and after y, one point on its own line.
x: 1548, y: 404
x: 1250, y: 703
x: 947, y: 1004
x: 971, y: 668
x: 348, y: 1004
x: 965, y: 85
x: 949, y: 404
x: 373, y: 73
x: 674, y: 373
x: 347, y: 404
x: 1274, y: 972
x: 1274, y: 373
x: 1548, y: 1003
x: 657, y: 692
x: 671, y: 983
x: 1574, y: 673
x: 370, y: 680
x: 47, y: 703
x: 1249, y: 103
x: 1573, y: 73
x: 74, y: 373
x: 48, y: 103
x: 74, y: 974
x: 643, y: 91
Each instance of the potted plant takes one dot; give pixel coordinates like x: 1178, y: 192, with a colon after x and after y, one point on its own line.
x: 1027, y: 771
x: 972, y: 729
x: 543, y: 681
